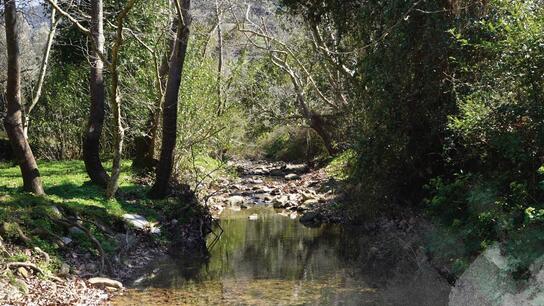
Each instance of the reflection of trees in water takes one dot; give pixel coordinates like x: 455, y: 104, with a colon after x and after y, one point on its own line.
x: 329, y: 261
x: 274, y: 247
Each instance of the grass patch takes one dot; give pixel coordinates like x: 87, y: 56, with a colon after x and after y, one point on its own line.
x: 66, y: 183
x: 68, y: 189
x: 340, y: 167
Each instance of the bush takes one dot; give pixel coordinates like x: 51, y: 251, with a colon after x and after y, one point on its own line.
x: 291, y: 143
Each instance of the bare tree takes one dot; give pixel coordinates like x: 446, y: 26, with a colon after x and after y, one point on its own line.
x: 286, y: 58
x: 170, y: 112
x: 13, y: 122
x: 54, y: 22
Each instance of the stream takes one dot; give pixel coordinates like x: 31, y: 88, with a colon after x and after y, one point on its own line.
x: 265, y: 256
x: 272, y: 260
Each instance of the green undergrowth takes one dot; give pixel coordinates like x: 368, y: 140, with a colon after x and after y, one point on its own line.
x: 340, y: 166
x: 32, y: 221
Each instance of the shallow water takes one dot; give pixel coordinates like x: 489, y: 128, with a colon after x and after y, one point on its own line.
x: 270, y: 261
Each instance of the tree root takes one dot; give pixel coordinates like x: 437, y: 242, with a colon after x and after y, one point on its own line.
x: 43, y: 253
x: 31, y: 266
x: 28, y: 265
x: 97, y: 244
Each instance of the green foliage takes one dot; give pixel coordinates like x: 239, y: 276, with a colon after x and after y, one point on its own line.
x: 58, y: 121
x: 496, y: 139
x: 340, y: 167
x: 291, y: 143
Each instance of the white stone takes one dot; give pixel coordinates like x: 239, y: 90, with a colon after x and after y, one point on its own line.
x: 66, y: 240
x: 292, y: 176
x: 105, y: 282
x: 236, y: 200
x: 137, y: 221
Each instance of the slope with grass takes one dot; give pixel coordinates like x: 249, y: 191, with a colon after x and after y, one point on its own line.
x: 82, y: 233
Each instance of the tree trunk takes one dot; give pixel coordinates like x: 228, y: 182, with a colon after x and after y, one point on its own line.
x: 91, y: 142
x: 220, y: 60
x: 318, y: 125
x: 115, y: 98
x: 13, y: 122
x: 315, y: 120
x: 170, y: 112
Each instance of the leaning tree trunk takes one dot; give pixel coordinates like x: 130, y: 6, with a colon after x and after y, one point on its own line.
x: 318, y: 125
x: 91, y: 142
x: 314, y: 119
x: 13, y: 122
x: 170, y: 112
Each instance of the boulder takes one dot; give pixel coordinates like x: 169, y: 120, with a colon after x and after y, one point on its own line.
x: 23, y: 272
x: 280, y: 202
x: 64, y: 270
x: 65, y: 241
x: 76, y: 231
x: 55, y: 212
x: 311, y: 202
x: 302, y: 208
x: 136, y: 221
x: 255, y: 181
x: 488, y: 281
x: 277, y: 172
x: 103, y: 282
x: 297, y: 168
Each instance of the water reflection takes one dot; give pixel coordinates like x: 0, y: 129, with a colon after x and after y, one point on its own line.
x: 271, y: 261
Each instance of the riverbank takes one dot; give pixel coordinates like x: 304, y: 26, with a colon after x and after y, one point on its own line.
x: 266, y: 255
x: 75, y: 247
